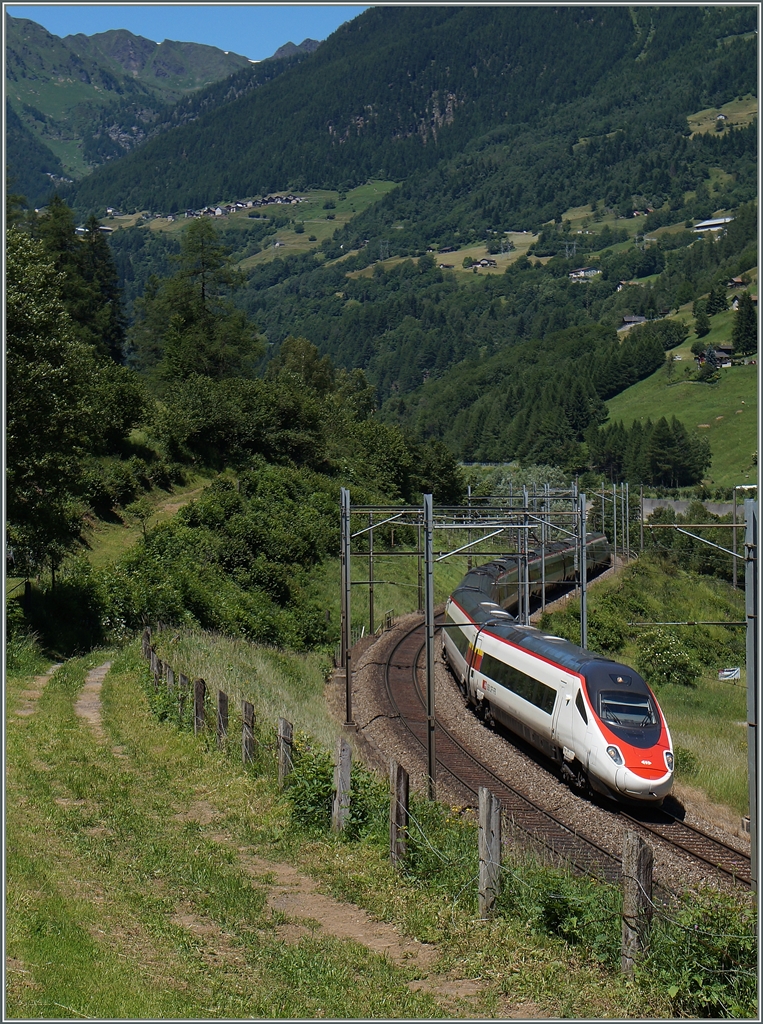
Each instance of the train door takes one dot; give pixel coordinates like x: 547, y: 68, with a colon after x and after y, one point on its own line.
x: 561, y: 722
x: 580, y: 726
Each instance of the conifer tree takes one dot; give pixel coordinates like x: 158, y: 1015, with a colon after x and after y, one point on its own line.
x: 701, y: 322
x: 744, y: 333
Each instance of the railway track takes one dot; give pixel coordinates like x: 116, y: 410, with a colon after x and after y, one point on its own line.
x: 697, y: 844
x: 465, y: 768
x: 402, y: 681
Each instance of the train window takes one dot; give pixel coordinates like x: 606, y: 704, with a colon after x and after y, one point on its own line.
x: 634, y: 710
x: 580, y: 705
x: 459, y: 639
x: 530, y: 689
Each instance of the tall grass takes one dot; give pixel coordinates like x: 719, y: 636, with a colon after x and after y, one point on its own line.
x: 278, y: 684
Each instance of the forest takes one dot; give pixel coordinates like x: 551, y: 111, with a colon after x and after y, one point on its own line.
x: 563, y: 104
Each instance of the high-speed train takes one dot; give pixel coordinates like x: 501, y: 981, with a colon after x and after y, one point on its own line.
x: 595, y: 718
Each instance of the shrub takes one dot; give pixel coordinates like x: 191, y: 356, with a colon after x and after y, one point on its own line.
x: 705, y: 957
x: 662, y: 658
x: 687, y: 763
x: 310, y: 785
x: 606, y: 631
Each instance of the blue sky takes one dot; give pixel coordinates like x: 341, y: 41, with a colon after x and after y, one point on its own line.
x: 253, y: 30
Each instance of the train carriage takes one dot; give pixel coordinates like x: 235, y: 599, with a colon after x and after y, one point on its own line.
x: 595, y: 718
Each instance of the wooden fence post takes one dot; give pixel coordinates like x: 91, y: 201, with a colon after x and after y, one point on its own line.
x: 222, y: 719
x: 184, y: 685
x: 638, y: 860
x: 152, y: 660
x: 342, y: 768
x: 489, y: 851
x: 247, y: 732
x: 158, y: 671
x: 398, y: 813
x: 170, y: 679
x: 199, y: 695
x: 285, y: 737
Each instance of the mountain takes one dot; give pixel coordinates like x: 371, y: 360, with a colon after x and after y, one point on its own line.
x: 84, y: 100
x: 170, y: 67
x: 290, y: 50
x: 479, y: 110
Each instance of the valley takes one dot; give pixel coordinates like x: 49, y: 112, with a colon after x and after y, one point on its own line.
x: 455, y: 251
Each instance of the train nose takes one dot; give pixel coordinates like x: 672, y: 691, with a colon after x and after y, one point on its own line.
x: 653, y: 786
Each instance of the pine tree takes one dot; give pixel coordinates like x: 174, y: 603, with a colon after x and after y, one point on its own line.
x: 701, y: 322
x: 90, y: 290
x: 744, y: 333
x: 187, y: 325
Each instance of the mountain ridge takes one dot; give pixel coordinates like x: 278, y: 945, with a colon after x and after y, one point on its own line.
x: 81, y: 101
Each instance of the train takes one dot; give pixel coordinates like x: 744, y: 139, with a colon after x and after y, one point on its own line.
x: 596, y: 719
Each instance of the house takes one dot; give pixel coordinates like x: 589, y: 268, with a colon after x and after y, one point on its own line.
x: 446, y: 248
x: 445, y: 266
x: 735, y: 302
x: 583, y: 273
x: 629, y: 321
x: 485, y: 262
x: 735, y: 282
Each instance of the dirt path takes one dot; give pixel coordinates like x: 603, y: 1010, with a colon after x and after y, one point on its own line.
x: 31, y: 696
x: 88, y: 704
x: 296, y: 896
x: 297, y: 907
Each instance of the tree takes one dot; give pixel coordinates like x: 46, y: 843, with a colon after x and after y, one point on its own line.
x: 141, y: 510
x: 717, y: 301
x: 90, y: 291
x: 51, y: 416
x: 187, y: 325
x: 701, y: 322
x: 744, y: 333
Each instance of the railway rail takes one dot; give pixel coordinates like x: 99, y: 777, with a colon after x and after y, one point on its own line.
x: 583, y: 853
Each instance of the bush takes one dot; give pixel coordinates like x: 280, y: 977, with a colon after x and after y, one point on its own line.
x: 705, y: 957
x: 687, y: 763
x: 606, y: 631
x: 310, y: 785
x: 662, y: 658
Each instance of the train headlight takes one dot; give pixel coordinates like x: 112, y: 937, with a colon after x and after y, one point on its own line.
x: 615, y: 754
x: 669, y: 760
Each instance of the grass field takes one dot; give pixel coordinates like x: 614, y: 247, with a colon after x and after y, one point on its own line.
x: 726, y: 412
x: 317, y: 220
x: 134, y: 888
x: 107, y: 541
x: 737, y: 112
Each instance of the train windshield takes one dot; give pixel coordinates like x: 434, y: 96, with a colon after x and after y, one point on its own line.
x: 628, y: 710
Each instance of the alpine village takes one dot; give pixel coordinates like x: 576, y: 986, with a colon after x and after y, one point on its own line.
x: 381, y: 464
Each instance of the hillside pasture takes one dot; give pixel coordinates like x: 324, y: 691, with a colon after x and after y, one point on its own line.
x: 726, y: 412
x: 737, y: 113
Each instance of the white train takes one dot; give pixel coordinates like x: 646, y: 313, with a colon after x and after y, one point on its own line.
x: 595, y: 718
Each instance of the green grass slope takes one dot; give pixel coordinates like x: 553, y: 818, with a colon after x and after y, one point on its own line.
x: 726, y: 410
